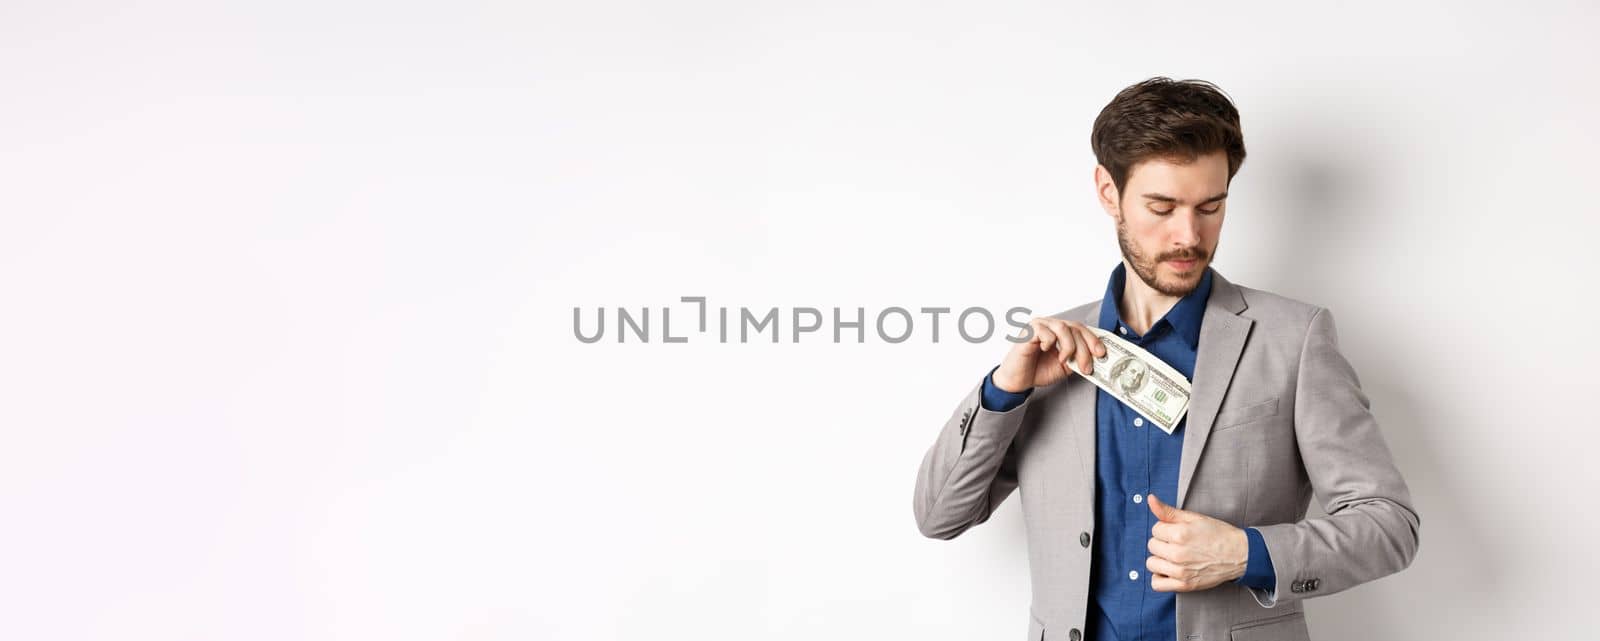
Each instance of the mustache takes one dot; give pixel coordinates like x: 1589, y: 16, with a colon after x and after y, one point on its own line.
x: 1191, y: 254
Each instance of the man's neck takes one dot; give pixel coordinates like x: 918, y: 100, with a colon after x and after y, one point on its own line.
x: 1141, y: 304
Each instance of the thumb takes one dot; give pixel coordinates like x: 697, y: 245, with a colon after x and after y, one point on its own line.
x: 1165, y: 512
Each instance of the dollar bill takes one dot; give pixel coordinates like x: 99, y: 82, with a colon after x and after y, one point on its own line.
x: 1143, y: 382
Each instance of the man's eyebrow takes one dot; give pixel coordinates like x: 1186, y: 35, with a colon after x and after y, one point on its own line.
x: 1168, y: 199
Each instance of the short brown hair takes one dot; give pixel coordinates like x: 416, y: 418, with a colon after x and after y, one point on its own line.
x: 1176, y: 120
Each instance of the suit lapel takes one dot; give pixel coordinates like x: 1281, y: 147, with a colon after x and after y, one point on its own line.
x: 1222, y: 338
x: 1081, y: 399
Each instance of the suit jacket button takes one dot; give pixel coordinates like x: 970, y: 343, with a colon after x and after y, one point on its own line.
x: 1075, y: 634
x: 1312, y: 584
x: 1297, y: 586
x: 1083, y: 539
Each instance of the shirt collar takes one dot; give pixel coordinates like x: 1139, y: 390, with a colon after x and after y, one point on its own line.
x: 1184, y: 317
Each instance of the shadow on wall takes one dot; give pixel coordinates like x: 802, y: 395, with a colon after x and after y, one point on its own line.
x: 1337, y: 196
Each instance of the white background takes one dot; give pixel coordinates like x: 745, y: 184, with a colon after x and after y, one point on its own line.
x: 286, y: 344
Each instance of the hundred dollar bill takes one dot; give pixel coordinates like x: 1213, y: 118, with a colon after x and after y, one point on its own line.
x: 1137, y: 378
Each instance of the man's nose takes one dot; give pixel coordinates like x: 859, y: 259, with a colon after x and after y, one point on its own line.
x: 1185, y: 228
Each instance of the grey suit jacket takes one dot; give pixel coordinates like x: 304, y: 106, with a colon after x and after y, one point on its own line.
x: 1277, y: 414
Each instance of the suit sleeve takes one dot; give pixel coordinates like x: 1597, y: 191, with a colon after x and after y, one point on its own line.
x: 970, y: 469
x: 1371, y: 528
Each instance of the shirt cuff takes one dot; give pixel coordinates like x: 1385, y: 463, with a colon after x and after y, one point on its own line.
x: 1258, y: 566
x: 995, y: 399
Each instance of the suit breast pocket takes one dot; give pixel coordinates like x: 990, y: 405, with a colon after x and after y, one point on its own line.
x: 1231, y: 417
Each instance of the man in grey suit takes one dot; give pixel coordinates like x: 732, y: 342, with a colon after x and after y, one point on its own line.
x: 1200, y: 534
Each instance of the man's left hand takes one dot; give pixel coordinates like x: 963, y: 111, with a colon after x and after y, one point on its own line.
x: 1190, y: 551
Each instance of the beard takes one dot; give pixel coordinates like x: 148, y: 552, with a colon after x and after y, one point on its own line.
x: 1145, y: 266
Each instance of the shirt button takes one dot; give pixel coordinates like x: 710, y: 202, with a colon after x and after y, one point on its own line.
x: 1138, y: 498
x: 1138, y: 422
x: 1133, y: 575
x: 1122, y: 329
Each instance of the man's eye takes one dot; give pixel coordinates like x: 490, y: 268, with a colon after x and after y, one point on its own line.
x: 1213, y: 210
x: 1162, y: 212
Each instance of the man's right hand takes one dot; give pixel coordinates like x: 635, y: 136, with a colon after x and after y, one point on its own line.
x: 1042, y: 360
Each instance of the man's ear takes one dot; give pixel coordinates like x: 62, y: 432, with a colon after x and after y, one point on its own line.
x: 1106, y: 190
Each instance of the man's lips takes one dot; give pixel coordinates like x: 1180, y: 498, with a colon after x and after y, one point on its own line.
x: 1183, y: 264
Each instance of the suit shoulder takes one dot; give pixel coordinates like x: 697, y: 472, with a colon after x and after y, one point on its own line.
x: 1265, y: 306
x: 1078, y: 313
